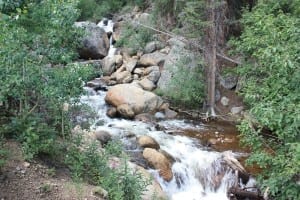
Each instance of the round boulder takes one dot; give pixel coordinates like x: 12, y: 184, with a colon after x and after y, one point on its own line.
x: 139, y: 100
x: 102, y: 136
x: 159, y: 161
x: 148, y: 142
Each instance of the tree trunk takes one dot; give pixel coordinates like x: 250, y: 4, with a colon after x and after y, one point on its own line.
x: 211, y: 57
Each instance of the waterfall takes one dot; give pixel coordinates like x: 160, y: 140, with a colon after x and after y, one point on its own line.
x: 108, y: 26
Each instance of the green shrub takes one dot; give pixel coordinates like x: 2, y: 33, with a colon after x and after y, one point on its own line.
x: 135, y: 37
x: 186, y: 86
x: 35, y: 48
x: 271, y: 90
x: 95, y: 10
x: 93, y: 165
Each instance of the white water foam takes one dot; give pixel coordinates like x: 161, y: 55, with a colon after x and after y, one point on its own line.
x: 196, y: 170
x: 108, y: 26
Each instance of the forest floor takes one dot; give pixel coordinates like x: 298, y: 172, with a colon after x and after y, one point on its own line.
x: 38, y: 180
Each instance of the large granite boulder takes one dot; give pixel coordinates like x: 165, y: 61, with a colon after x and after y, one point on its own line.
x: 95, y: 44
x: 139, y: 100
x: 177, y: 56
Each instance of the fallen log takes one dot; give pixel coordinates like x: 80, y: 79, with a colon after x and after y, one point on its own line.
x: 237, y: 193
x: 234, y: 164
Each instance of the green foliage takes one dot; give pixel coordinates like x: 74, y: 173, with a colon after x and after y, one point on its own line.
x: 35, y: 46
x: 94, y: 165
x: 95, y: 10
x: 186, y: 86
x: 271, y: 90
x: 135, y: 37
x: 193, y: 17
x: 8, y: 6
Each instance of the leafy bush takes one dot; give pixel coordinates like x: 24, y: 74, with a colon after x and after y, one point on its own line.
x: 95, y: 10
x: 8, y: 6
x: 135, y: 37
x: 93, y: 165
x: 36, y: 82
x: 186, y: 86
x: 271, y: 90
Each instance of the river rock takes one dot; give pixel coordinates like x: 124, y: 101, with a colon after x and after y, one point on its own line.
x: 147, y: 84
x: 153, y: 46
x: 139, y: 100
x: 152, y: 59
x: 118, y: 60
x: 150, y: 69
x: 153, y: 190
x: 159, y: 115
x: 123, y: 77
x: 170, y: 114
x: 111, y: 112
x: 135, y: 77
x: 236, y: 110
x: 228, y: 82
x: 159, y: 162
x: 103, y: 136
x: 125, y: 111
x: 97, y: 84
x: 99, y: 192
x: 144, y: 117
x: 148, y: 142
x: 95, y: 44
x: 130, y: 64
x: 224, y: 101
x: 108, y: 65
x: 138, y: 71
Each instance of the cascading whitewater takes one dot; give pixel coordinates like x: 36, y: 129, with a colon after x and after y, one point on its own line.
x: 199, y: 174
x: 108, y: 27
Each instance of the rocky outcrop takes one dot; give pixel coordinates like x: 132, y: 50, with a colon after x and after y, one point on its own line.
x: 95, y: 44
x: 177, y: 54
x: 148, y: 142
x: 159, y: 161
x: 139, y: 100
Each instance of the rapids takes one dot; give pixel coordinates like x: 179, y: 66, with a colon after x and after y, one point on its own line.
x: 199, y: 172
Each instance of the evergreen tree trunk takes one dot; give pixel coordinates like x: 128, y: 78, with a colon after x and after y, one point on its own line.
x: 211, y: 51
